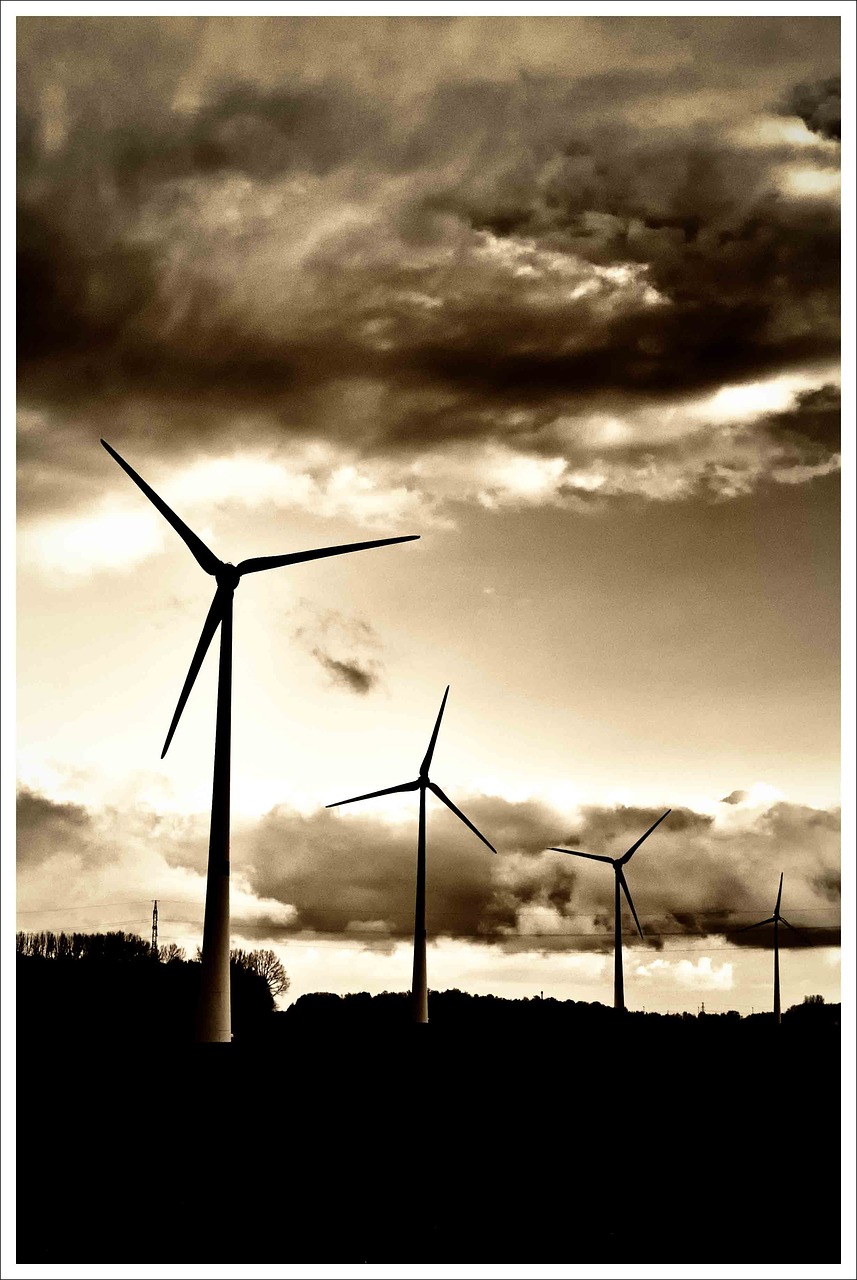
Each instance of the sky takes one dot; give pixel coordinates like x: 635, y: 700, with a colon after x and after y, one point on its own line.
x: 558, y: 295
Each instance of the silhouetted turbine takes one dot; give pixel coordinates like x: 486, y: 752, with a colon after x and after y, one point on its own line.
x: 776, y: 920
x: 617, y: 864
x: 419, y: 984
x: 214, y: 1023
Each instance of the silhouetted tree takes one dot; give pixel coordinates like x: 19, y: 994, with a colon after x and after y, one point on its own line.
x: 267, y: 965
x: 171, y: 953
x: 814, y: 1012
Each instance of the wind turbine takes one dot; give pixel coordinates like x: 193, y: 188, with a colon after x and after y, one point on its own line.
x: 214, y: 1023
x: 617, y: 864
x: 776, y: 920
x: 419, y: 986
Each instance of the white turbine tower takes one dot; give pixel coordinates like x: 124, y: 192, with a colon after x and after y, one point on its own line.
x: 617, y: 864
x: 215, y: 1020
x: 419, y: 984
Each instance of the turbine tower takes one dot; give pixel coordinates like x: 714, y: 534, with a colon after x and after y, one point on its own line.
x: 776, y: 920
x: 419, y: 983
x: 214, y: 1022
x: 617, y: 864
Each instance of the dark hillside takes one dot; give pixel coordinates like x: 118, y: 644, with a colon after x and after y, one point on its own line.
x: 485, y: 1139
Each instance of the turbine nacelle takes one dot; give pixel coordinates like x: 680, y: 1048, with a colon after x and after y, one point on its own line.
x: 228, y: 577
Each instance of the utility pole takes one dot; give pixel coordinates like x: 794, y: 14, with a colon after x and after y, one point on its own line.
x: 155, y: 930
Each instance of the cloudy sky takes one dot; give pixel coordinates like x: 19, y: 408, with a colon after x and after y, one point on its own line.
x: 561, y: 296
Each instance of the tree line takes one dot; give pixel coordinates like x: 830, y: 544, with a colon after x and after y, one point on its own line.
x: 462, y: 1012
x: 113, y: 985
x: 127, y: 948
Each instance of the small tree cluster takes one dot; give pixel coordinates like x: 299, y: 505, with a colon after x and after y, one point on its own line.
x: 266, y: 964
x: 167, y: 955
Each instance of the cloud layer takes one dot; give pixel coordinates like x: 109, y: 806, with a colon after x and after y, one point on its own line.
x: 352, y: 875
x: 488, y: 283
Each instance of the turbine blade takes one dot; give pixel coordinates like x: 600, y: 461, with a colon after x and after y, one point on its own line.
x: 627, y: 891
x: 800, y: 933
x: 258, y: 563
x: 424, y: 767
x: 634, y: 847
x: 779, y: 896
x: 370, y: 795
x: 596, y: 857
x: 206, y: 559
x: 744, y: 928
x: 209, y: 627
x: 446, y: 800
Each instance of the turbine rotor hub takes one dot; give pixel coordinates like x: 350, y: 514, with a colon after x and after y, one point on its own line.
x: 228, y: 576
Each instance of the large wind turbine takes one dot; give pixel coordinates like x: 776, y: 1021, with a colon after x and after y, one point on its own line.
x: 776, y: 920
x: 419, y: 985
x: 617, y: 864
x: 214, y: 1023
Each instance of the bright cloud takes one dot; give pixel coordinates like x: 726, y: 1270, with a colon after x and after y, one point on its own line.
x: 747, y: 401
x: 810, y: 181
x: 699, y: 975
x: 312, y: 481
x: 110, y: 538
x: 774, y: 131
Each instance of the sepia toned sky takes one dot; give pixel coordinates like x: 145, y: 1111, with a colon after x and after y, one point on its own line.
x: 561, y: 296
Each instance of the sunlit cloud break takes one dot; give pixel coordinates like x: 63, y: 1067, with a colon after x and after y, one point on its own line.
x: 110, y: 538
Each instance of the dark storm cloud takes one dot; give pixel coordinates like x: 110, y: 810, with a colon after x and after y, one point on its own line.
x: 732, y: 264
x: 485, y: 250
x: 46, y: 829
x: 88, y: 838
x: 819, y: 106
x: 346, y: 648
x: 691, y: 876
x: 739, y: 268
x: 813, y: 424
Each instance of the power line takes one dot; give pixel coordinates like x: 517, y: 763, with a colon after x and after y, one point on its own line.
x: 79, y: 906
x: 484, y: 937
x: 710, y: 911
x: 745, y: 911
x: 108, y: 924
x: 87, y: 906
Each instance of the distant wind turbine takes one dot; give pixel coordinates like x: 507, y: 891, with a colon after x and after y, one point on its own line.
x: 214, y: 1024
x: 776, y: 920
x: 617, y: 864
x: 419, y: 985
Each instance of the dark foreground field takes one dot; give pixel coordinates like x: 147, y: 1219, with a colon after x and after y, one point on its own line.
x: 425, y: 1147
